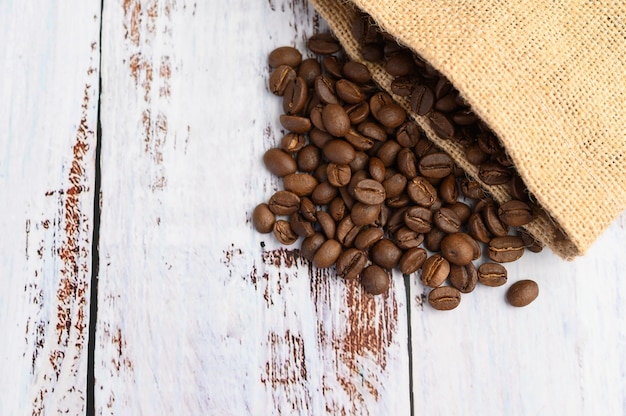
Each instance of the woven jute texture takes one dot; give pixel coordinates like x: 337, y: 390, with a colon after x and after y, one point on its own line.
x: 547, y: 76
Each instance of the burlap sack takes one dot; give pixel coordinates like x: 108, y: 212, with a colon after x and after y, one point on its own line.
x: 548, y: 77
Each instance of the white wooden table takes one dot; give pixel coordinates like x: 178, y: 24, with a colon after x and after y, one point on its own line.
x: 161, y: 300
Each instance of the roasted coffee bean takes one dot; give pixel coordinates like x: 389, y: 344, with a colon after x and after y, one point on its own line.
x: 349, y: 92
x: 359, y: 162
x: 280, y: 78
x: 364, y: 214
x: 505, y: 249
x: 447, y: 103
x: 332, y: 66
x: 357, y: 177
x: 310, y: 245
x: 377, y: 169
x: 339, y: 151
x: 489, y: 143
x: 279, y: 162
x: 412, y: 260
x: 323, y: 193
x: 403, y: 86
x: 385, y: 253
x: 388, y: 152
x: 448, y: 190
x: 358, y: 141
x: 325, y: 89
x: 493, y: 222
x: 378, y: 101
x: 435, y: 270
x: 337, y: 209
x: 327, y: 224
x: 446, y: 220
x: 418, y: 219
x: 391, y: 116
x: 472, y: 242
x: 295, y: 96
x: 323, y: 44
x: 444, y: 298
x: 458, y: 249
x: 421, y: 191
x: 338, y: 175
x: 518, y: 189
x: 493, y: 173
x: 406, y: 238
x: 483, y: 203
x: 463, y: 278
x: 320, y: 172
x: 424, y: 147
x: 285, y: 55
x: 283, y: 233
x: 375, y: 280
x: 522, y: 293
x: 319, y: 137
x: 308, y: 70
x: 351, y: 263
x: 356, y: 72
x: 308, y: 158
x: 315, y: 115
x: 407, y: 163
x: 263, y: 218
x: 336, y: 120
x: 472, y: 189
x: 442, y: 125
x: 295, y: 124
x: 400, y: 64
x: 530, y: 243
x: 422, y: 100
x: 358, y: 113
x: 372, y: 52
x: 492, y: 274
x: 292, y: 142
x: 436, y: 165
x: 370, y: 192
x: 367, y: 237
x: 408, y: 134
x: 327, y: 254
x: 462, y: 210
x: 308, y: 210
x: 300, y: 225
x: 515, y: 213
x: 301, y: 184
x: 394, y: 185
x: 474, y: 155
x: 284, y: 203
x: 464, y: 117
x: 347, y: 231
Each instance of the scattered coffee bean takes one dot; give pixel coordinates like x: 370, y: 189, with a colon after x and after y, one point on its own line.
x: 263, y: 218
x: 463, y: 278
x: 375, y: 280
x: 435, y: 271
x: 444, y: 298
x: 522, y: 293
x: 492, y: 274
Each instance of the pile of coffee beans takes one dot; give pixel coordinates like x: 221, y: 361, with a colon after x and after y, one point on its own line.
x: 367, y: 192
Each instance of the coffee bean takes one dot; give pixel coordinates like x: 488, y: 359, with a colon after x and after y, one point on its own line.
x: 377, y: 169
x: 349, y: 92
x: 407, y: 163
x: 327, y: 254
x: 337, y: 209
x: 408, y: 134
x: 360, y: 161
x: 358, y: 113
x: 263, y: 218
x: 375, y: 280
x: 518, y: 189
x: 332, y: 66
x: 448, y: 190
x: 347, y: 231
x: 412, y: 260
x: 522, y: 293
x: 370, y: 192
x: 308, y: 210
x: 301, y: 184
x: 301, y: 226
x: 463, y: 278
x: 406, y: 238
x: 436, y: 165
x: 295, y: 96
x: 357, y: 140
x: 280, y: 78
x: 493, y: 173
x: 378, y: 101
x: 444, y: 298
x: 308, y: 158
x: 385, y: 253
x: 391, y: 115
x: 336, y: 120
x: 505, y: 249
x: 284, y: 203
x: 421, y: 191
x: 319, y: 137
x: 435, y: 271
x: 388, y: 152
x: 351, y: 263
x: 394, y: 185
x: 285, y: 55
x: 493, y: 222
x: 446, y: 220
x: 338, y: 175
x: 432, y: 239
x: 492, y: 274
x: 293, y: 142
x: 464, y: 117
x: 325, y: 89
x: 462, y: 210
x: 323, y: 44
x: 327, y: 224
x: 364, y: 214
x: 356, y: 72
x: 418, y: 219
x: 295, y: 124
x: 474, y: 155
x: 458, y: 249
x: 422, y: 100
x: 489, y: 143
x: 400, y: 64
x: 403, y: 86
x: 283, y: 233
x: 279, y: 162
x: 310, y: 245
x: 339, y: 151
x: 323, y: 193
x: 442, y: 125
x: 515, y: 213
x: 472, y: 189
x: 530, y: 243
x: 367, y: 237
x: 447, y: 103
x: 308, y: 70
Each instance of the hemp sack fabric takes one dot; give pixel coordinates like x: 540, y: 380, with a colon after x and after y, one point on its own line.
x: 547, y: 76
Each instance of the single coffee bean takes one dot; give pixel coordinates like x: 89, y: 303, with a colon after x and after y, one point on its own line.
x: 283, y: 233
x: 323, y: 44
x: 357, y: 140
x: 356, y: 72
x: 327, y: 224
x: 367, y: 237
x: 323, y: 193
x: 356, y: 178
x: 432, y: 239
x: 308, y: 209
x: 332, y: 66
x: 351, y: 263
x: 385, y: 253
x: 279, y: 162
x: 400, y: 64
x: 284, y: 203
x: 408, y: 134
x: 377, y: 169
x: 493, y: 173
x: 493, y: 222
x: 407, y: 163
x: 263, y: 218
x: 472, y: 189
x: 421, y: 191
x: 489, y: 143
x: 446, y: 220
x: 474, y: 155
x: 375, y: 280
x: 442, y: 125
x: 463, y: 211
x: 483, y: 203
x: 325, y: 89
x: 349, y: 92
x: 476, y: 251
x: 464, y: 117
x: 358, y: 113
x: 448, y: 190
x: 347, y: 231
x: 321, y: 173
x: 301, y: 184
x: 310, y: 245
x: 337, y: 209
x: 327, y: 254
x: 378, y: 101
x: 308, y: 158
x: 522, y: 293
x: 364, y: 214
x: 315, y: 114
x: 319, y: 137
x: 412, y: 260
x: 308, y: 70
x: 388, y: 152
x: 435, y: 270
x: 295, y: 96
x: 370, y: 192
x: 444, y: 298
x: 292, y: 142
x: 295, y: 124
x: 394, y: 185
x: 338, y: 175
x: 406, y: 238
x: 336, y: 120
x: 492, y: 274
x: 403, y: 86
x: 458, y: 249
x: 443, y: 87
x: 285, y: 55
x: 391, y: 116
x: 422, y: 100
x: 515, y: 213
x: 372, y: 52
x: 436, y: 165
x: 280, y: 78
x: 301, y: 226
x: 463, y: 278
x: 447, y: 103
x: 530, y: 243
x: 518, y: 189
x: 505, y: 249
x: 339, y: 151
x: 418, y: 219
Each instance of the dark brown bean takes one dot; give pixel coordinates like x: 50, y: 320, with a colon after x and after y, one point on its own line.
x: 285, y: 55
x: 310, y: 245
x: 446, y: 220
x: 477, y: 228
x: 283, y: 233
x: 435, y: 271
x: 364, y: 214
x: 421, y: 191
x: 463, y: 278
x: 351, y: 263
x: 492, y: 274
x: 339, y: 151
x: 323, y: 44
x: 505, y: 249
x: 263, y: 218
x: 522, y: 293
x: 418, y: 219
x: 300, y: 225
x: 347, y: 231
x: 370, y: 192
x: 284, y: 203
x: 385, y: 253
x: 442, y: 125
x: 295, y: 124
x: 367, y: 237
x: 308, y: 70
x: 530, y: 243
x: 349, y: 92
x: 280, y: 78
x: 308, y: 158
x: 323, y: 193
x: 327, y: 224
x: 458, y: 249
x: 308, y: 209
x: 436, y: 165
x: 412, y: 260
x: 325, y: 89
x: 356, y: 72
x: 338, y: 175
x: 444, y: 298
x: 391, y: 115
x: 295, y: 96
x: 327, y: 254
x: 422, y: 100
x: 493, y: 222
x: 493, y: 173
x: 336, y: 120
x: 406, y: 238
x: 279, y: 162
x: 301, y: 184
x: 515, y: 213
x: 375, y: 280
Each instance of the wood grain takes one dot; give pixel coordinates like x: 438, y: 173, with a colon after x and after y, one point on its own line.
x: 194, y: 315
x: 48, y: 117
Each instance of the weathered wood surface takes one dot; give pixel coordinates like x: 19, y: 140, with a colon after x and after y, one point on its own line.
x: 49, y: 56
x: 197, y: 313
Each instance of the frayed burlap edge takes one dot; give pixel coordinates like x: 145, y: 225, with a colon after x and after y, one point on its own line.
x: 565, y: 243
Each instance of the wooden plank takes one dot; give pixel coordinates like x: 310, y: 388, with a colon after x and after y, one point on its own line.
x: 194, y: 315
x: 563, y: 354
x: 48, y: 119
